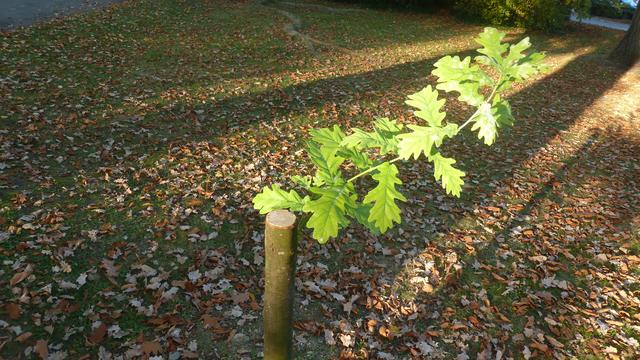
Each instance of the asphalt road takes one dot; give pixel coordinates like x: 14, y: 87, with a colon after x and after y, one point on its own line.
x: 16, y: 13
x: 602, y: 22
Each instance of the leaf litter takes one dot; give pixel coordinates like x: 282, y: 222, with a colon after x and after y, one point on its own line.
x: 128, y: 163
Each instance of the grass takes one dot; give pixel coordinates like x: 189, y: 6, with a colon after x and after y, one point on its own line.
x: 137, y: 133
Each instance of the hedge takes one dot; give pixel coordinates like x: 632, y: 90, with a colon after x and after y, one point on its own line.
x: 535, y: 14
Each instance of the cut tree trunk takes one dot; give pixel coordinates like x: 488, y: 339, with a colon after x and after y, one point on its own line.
x: 627, y: 53
x: 280, y: 262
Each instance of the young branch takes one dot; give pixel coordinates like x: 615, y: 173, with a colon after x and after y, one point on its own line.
x: 489, y: 99
x: 371, y: 169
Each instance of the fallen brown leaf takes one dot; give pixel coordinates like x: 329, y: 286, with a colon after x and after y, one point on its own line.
x: 13, y: 310
x: 17, y: 278
x: 151, y: 347
x: 23, y: 337
x: 98, y: 334
x: 42, y: 349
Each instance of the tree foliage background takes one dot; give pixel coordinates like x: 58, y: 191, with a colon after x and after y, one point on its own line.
x: 534, y: 14
x: 611, y: 9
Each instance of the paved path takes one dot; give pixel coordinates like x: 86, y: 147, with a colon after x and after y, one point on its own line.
x: 15, y: 13
x: 602, y: 22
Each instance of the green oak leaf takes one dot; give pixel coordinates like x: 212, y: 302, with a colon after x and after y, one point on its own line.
x: 527, y: 67
x: 328, y: 211
x: 277, y: 199
x: 385, y: 125
x: 359, y: 139
x: 492, y: 46
x: 361, y: 214
x: 422, y: 139
x: 459, y: 75
x: 450, y: 177
x: 383, y: 137
x: 502, y: 111
x: 329, y: 139
x: 516, y: 51
x: 359, y: 158
x: 385, y: 211
x: 485, y: 123
x: 327, y: 163
x: 331, y: 143
x: 304, y: 181
x: 491, y: 117
x: 428, y: 105
x: 516, y: 66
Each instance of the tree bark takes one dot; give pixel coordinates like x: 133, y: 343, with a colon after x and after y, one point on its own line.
x: 627, y: 53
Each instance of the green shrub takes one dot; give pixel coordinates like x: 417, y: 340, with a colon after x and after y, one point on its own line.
x: 606, y: 8
x: 615, y: 9
x: 400, y: 3
x: 533, y: 14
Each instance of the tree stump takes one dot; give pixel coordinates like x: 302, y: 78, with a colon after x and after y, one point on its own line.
x: 280, y: 244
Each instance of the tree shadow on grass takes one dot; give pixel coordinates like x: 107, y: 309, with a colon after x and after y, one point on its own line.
x: 156, y: 131
x: 560, y: 268
x: 112, y: 149
x: 152, y: 134
x: 545, y: 111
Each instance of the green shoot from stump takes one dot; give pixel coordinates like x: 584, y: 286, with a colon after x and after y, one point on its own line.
x: 333, y: 200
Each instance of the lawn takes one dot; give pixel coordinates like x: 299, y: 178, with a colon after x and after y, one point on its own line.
x: 133, y: 139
